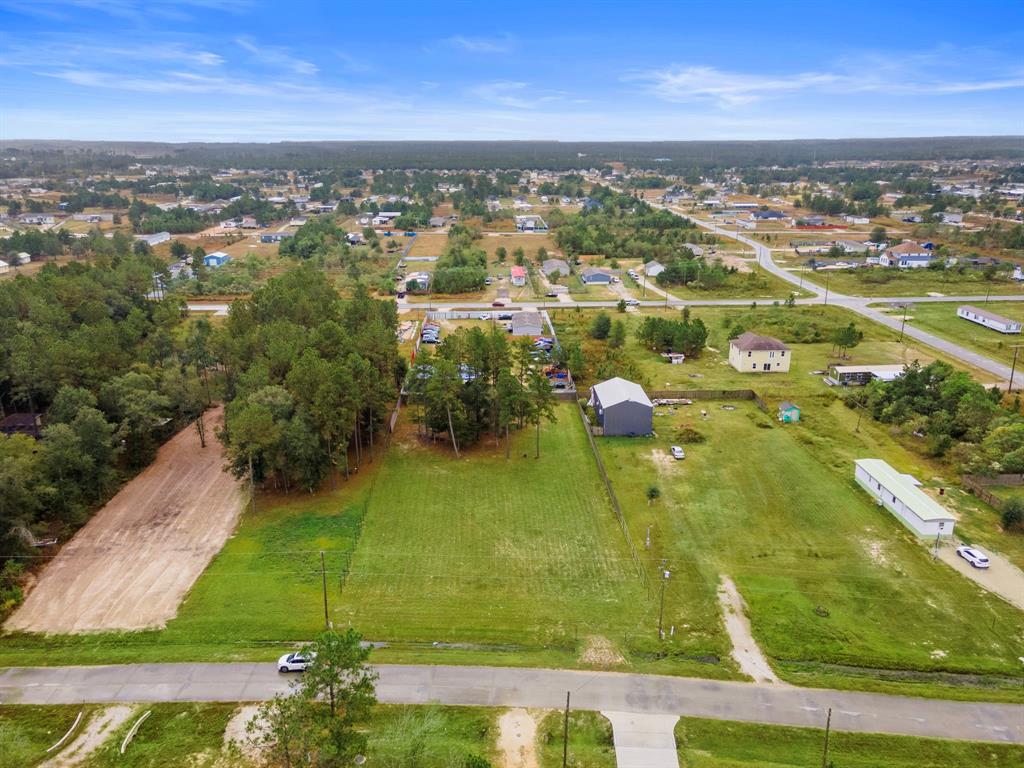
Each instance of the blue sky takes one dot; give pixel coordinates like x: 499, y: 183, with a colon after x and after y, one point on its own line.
x: 240, y: 70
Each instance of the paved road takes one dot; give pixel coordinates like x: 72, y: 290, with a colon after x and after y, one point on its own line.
x: 644, y: 741
x: 508, y: 687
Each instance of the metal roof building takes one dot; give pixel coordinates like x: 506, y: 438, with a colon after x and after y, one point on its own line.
x: 622, y: 407
x: 900, y: 494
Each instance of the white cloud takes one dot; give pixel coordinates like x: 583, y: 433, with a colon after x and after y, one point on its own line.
x: 500, y: 44
x: 517, y: 95
x: 276, y: 56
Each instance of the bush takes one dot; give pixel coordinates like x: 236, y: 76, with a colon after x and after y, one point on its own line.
x: 689, y: 435
x: 1013, y: 515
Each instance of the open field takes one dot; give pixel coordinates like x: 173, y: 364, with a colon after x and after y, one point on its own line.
x: 940, y: 318
x: 890, y: 281
x: 485, y: 550
x: 132, y: 564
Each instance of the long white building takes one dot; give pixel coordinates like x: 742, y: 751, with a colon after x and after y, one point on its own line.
x: 988, y: 319
x: 900, y: 495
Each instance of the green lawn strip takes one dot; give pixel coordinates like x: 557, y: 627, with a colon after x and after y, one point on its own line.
x: 912, y: 282
x: 173, y: 734
x: 590, y: 740
x: 432, y: 737
x: 720, y: 744
x: 978, y: 523
x: 941, y: 319
x: 26, y: 732
x: 488, y: 551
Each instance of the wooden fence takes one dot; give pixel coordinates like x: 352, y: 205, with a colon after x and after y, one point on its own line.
x: 976, y: 486
x: 614, y: 501
x: 709, y: 394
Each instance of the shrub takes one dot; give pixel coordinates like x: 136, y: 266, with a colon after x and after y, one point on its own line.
x: 1013, y: 515
x: 689, y: 435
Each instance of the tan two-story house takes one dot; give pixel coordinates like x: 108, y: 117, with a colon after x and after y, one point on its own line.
x: 750, y: 353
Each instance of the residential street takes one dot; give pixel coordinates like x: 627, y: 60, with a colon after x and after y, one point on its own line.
x: 509, y: 687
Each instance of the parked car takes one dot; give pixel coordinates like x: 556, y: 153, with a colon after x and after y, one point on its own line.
x: 487, y: 281
x: 484, y: 316
x: 632, y: 302
x: 975, y: 557
x: 678, y: 453
x: 292, y: 662
x: 504, y: 315
x: 497, y: 304
x: 551, y: 295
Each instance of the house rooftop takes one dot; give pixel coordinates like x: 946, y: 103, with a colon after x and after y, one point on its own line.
x: 619, y: 390
x: 901, y: 486
x: 908, y: 246
x: 749, y: 342
x: 986, y: 314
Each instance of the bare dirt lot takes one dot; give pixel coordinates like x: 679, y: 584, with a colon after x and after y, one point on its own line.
x: 132, y: 564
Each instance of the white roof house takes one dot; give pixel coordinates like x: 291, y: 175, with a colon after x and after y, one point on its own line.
x: 154, y: 239
x: 4, y: 267
x: 653, y: 268
x: 901, y: 495
x: 988, y: 319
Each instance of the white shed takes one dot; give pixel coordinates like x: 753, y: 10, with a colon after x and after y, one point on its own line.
x: 900, y: 495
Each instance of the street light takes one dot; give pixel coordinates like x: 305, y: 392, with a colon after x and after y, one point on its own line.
x: 661, y: 609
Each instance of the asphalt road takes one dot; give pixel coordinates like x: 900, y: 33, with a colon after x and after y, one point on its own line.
x: 510, y: 687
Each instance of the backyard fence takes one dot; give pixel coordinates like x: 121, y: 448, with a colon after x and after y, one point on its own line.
x: 614, y: 500
x: 976, y: 485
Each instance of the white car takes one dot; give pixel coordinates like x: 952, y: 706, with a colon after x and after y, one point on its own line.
x: 677, y: 453
x: 975, y: 557
x: 292, y: 662
x: 484, y: 316
x: 632, y: 302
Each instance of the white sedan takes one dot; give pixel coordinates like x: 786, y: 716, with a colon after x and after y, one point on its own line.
x: 677, y: 453
x: 975, y: 557
x: 292, y: 662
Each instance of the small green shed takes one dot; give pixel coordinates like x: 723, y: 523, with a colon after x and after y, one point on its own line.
x: 789, y: 413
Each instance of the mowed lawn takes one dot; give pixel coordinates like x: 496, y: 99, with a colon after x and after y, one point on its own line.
x: 484, y: 550
x: 941, y: 319
x: 878, y: 281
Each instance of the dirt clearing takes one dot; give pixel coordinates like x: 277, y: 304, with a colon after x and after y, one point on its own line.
x: 745, y: 650
x: 517, y: 739
x: 1001, y: 578
x: 131, y: 565
x: 100, y: 727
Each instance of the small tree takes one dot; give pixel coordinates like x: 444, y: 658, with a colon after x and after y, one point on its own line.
x: 653, y: 493
x: 617, y: 337
x: 878, y: 235
x: 1013, y: 515
x: 601, y: 326
x: 621, y: 306
x: 501, y: 253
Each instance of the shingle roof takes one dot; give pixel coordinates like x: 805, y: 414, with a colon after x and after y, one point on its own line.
x: 748, y: 342
x: 619, y: 390
x: 910, y: 248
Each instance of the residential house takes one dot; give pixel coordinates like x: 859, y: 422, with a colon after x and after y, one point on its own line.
x: 92, y: 218
x: 22, y: 258
x: 952, y: 217
x: 555, y: 266
x: 437, y: 221
x: 518, y: 275
x: 532, y: 223
x: 21, y: 424
x: 4, y: 267
x: 420, y: 281
x: 527, y: 323
x: 249, y: 222
x: 751, y: 353
x: 653, y: 268
x: 901, y: 495
x: 988, y: 319
x: 852, y: 246
x: 767, y: 215
x: 789, y: 413
x: 622, y: 407
x: 906, y: 255
x: 595, y: 276
x: 851, y: 219
x: 275, y: 237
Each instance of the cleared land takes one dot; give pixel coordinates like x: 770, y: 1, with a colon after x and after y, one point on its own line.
x: 132, y: 564
x: 485, y: 550
x: 879, y: 281
x: 940, y: 318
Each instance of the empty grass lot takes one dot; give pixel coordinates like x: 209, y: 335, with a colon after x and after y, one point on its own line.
x: 890, y: 281
x: 485, y: 550
x: 940, y: 318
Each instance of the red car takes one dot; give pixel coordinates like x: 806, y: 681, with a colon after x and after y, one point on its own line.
x: 497, y: 304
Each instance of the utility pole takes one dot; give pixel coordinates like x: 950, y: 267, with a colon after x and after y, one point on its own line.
x: 323, y: 574
x: 938, y: 533
x: 661, y: 607
x: 903, y: 324
x: 1013, y: 368
x: 826, y: 288
x: 828, y: 727
x: 565, y: 733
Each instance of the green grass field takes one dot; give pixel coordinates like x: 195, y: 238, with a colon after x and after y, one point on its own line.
x: 914, y: 282
x: 940, y: 318
x: 590, y: 740
x: 718, y: 744
x: 174, y: 734
x: 27, y: 732
x: 485, y: 550
x: 431, y: 736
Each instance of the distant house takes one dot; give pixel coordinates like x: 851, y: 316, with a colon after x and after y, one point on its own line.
x: 555, y: 266
x: 527, y: 323
x: 21, y: 424
x: 622, y: 407
x: 216, y: 259
x: 594, y: 276
x: 858, y: 375
x: 900, y: 495
x: 851, y: 219
x: 4, y: 267
x: 531, y: 223
x: 751, y: 353
x: 952, y: 217
x: 437, y: 221
x: 518, y: 275
x: 852, y: 246
x: 419, y: 281
x: 92, y: 218
x: 249, y: 222
x: 988, y: 319
x: 696, y: 250
x: 384, y: 217
x: 906, y: 255
x: 155, y: 239
x: 275, y: 237
x: 653, y: 268
x: 767, y: 215
x: 22, y: 258
x: 789, y: 413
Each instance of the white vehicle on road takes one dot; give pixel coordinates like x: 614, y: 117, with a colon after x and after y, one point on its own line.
x: 632, y: 302
x: 677, y: 453
x: 975, y: 557
x: 293, y: 662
